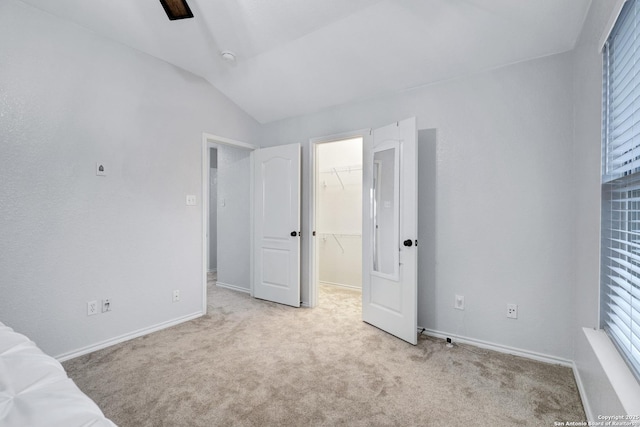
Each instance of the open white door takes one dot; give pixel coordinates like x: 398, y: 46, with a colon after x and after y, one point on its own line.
x: 390, y: 229
x: 276, y: 256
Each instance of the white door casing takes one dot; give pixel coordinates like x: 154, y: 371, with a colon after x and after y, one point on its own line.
x: 276, y: 192
x: 389, y: 292
x: 211, y: 141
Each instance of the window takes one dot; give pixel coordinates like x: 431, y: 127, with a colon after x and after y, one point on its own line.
x: 620, y: 258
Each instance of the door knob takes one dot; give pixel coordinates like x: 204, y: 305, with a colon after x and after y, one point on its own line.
x: 294, y: 233
x: 408, y: 242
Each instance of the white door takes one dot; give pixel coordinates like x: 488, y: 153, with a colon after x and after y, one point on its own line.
x: 276, y: 257
x: 390, y: 229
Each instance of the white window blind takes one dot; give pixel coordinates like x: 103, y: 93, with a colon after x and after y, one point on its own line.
x: 620, y: 272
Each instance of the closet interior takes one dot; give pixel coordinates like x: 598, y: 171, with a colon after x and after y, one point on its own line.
x: 339, y: 213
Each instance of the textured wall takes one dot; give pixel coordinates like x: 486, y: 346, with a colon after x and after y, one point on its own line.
x: 69, y: 99
x: 503, y: 212
x: 233, y: 216
x: 600, y: 397
x: 213, y: 209
x: 213, y: 219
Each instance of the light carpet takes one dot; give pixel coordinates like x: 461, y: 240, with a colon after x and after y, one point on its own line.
x: 254, y: 363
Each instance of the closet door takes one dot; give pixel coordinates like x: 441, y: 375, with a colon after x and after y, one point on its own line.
x: 276, y: 192
x: 389, y: 291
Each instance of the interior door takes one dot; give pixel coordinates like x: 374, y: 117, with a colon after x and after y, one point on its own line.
x: 276, y: 192
x: 390, y: 229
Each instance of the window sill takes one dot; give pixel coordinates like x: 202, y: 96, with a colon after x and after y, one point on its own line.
x: 620, y: 376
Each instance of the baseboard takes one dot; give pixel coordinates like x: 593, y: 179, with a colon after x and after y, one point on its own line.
x: 126, y: 337
x: 341, y: 285
x: 583, y: 393
x: 500, y: 348
x: 233, y: 287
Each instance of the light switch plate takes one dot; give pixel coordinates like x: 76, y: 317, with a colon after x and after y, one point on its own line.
x: 459, y: 302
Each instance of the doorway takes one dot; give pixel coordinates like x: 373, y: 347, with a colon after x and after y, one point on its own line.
x: 229, y: 169
x: 337, y: 215
x: 389, y: 292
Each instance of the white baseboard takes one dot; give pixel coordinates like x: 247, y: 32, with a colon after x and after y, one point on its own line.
x: 583, y: 393
x: 500, y: 348
x: 126, y: 337
x: 341, y: 285
x: 233, y: 287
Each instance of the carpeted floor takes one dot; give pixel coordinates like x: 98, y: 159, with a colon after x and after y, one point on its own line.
x: 254, y: 363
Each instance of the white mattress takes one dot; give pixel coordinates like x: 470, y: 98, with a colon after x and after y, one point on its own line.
x: 35, y: 390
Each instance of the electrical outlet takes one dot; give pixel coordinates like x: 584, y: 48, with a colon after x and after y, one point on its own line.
x: 176, y: 295
x: 106, y: 305
x: 92, y: 308
x: 191, y: 200
x: 512, y: 311
x: 459, y: 302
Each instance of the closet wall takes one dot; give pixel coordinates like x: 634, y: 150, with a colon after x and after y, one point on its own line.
x: 339, y: 213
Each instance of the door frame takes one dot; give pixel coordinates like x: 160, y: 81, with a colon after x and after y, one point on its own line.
x: 312, y: 165
x: 211, y: 141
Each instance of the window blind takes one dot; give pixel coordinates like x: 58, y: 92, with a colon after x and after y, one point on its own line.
x: 620, y: 258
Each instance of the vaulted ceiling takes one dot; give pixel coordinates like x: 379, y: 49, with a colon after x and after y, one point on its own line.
x: 295, y: 57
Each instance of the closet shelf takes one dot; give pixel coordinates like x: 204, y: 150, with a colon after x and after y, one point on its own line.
x: 343, y: 169
x: 352, y: 168
x: 323, y: 234
x: 337, y: 237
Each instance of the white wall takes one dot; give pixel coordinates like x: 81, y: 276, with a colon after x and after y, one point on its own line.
x: 213, y: 209
x: 69, y: 99
x: 503, y: 209
x: 598, y: 394
x: 339, y: 213
x: 234, y: 203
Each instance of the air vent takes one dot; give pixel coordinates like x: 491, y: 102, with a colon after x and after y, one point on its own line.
x: 176, y: 9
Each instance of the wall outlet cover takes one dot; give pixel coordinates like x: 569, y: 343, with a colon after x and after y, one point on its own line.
x: 92, y: 308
